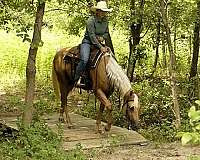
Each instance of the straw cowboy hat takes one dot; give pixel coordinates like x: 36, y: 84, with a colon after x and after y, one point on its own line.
x: 101, y: 6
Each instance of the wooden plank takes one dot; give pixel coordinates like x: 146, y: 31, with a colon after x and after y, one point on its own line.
x: 84, y: 134
x: 10, y: 121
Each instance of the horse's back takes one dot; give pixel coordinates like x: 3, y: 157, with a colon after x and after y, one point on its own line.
x: 62, y: 69
x: 61, y: 53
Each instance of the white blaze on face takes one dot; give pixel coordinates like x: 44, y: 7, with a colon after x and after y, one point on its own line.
x: 136, y: 102
x: 134, y: 109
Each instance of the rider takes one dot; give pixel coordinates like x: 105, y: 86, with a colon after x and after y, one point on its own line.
x: 96, y: 32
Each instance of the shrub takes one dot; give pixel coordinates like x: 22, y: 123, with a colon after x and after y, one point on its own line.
x: 37, y: 142
x: 192, y: 137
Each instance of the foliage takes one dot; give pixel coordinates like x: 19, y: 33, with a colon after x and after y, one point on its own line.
x: 194, y: 157
x: 64, y: 17
x: 24, y: 11
x: 37, y: 142
x: 156, y: 112
x: 157, y: 118
x: 192, y: 137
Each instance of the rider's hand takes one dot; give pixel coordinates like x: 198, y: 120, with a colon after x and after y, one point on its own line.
x: 103, y: 49
x: 100, y: 39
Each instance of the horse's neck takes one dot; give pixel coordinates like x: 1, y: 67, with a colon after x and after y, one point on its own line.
x: 117, y: 77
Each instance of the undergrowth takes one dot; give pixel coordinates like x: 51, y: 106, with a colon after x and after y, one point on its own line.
x: 37, y: 142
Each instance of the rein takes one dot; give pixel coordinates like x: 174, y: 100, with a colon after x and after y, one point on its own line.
x: 127, y: 102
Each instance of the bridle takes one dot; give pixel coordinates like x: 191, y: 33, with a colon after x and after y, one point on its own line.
x: 132, y: 100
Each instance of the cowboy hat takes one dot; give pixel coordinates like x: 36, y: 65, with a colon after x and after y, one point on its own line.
x: 101, y: 5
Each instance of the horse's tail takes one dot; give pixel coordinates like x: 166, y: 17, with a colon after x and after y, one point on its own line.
x: 55, y: 82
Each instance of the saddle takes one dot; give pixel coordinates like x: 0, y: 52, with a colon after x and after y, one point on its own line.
x: 73, y: 56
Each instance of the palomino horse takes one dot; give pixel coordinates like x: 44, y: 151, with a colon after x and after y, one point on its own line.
x: 106, y: 76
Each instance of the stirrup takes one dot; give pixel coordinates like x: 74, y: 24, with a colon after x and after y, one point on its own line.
x: 79, y: 84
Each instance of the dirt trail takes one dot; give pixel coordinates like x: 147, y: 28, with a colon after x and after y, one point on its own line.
x: 171, y: 151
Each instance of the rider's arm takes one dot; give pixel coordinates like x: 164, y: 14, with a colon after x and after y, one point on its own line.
x: 91, y: 33
x: 105, y: 35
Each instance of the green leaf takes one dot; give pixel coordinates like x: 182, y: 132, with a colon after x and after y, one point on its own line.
x: 197, y: 102
x: 193, y: 114
x: 196, y: 138
x: 187, y: 137
x: 180, y: 134
x: 193, y: 108
x: 198, y: 127
x: 41, y: 43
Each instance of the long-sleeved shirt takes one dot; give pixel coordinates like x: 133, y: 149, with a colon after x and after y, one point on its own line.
x: 96, y: 27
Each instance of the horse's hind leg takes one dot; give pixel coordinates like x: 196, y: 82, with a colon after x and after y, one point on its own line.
x: 64, y: 93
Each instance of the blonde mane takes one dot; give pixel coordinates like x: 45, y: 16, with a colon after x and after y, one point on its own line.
x: 116, y: 76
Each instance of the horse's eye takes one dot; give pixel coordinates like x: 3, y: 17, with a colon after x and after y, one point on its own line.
x: 132, y: 108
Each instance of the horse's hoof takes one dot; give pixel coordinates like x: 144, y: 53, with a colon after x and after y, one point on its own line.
x: 107, y: 128
x: 99, y: 131
x: 61, y: 119
x: 70, y: 126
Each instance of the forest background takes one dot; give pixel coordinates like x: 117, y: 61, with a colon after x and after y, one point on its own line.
x: 155, y: 41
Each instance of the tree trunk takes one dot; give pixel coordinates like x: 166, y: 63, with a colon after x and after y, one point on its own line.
x: 164, y: 59
x: 157, y: 48
x: 136, y: 29
x: 131, y: 47
x: 172, y: 65
x: 31, y: 68
x: 190, y: 50
x: 196, y: 41
x: 175, y: 39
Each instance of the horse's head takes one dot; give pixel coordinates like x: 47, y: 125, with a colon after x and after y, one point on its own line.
x: 131, y: 109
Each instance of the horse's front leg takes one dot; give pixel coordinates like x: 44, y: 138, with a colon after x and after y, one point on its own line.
x: 109, y: 117
x: 104, y: 100
x: 99, y: 116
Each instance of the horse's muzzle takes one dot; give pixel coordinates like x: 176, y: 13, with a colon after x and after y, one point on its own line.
x: 133, y: 126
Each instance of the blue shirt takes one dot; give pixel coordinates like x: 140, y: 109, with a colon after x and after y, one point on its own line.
x: 96, y: 27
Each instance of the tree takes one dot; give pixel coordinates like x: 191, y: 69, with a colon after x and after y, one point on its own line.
x: 172, y: 71
x: 135, y: 29
x: 157, y: 46
x: 23, y: 10
x: 196, y: 41
x: 31, y: 68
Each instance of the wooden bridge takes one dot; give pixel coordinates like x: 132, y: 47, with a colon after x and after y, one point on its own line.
x: 84, y: 134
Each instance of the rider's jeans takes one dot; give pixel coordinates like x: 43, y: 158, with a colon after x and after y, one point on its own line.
x: 85, y: 53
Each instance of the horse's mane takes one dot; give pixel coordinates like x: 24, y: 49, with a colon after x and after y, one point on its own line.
x: 116, y: 76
